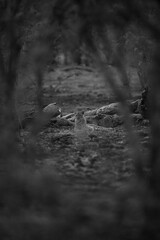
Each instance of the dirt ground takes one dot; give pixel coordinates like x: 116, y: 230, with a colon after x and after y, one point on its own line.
x: 104, y: 160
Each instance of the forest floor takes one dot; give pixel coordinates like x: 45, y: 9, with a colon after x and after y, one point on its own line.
x: 102, y: 162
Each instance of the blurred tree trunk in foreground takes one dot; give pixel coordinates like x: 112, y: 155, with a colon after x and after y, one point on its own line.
x: 15, y: 22
x: 11, y: 17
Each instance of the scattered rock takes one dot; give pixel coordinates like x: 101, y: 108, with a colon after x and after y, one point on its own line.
x: 88, y: 160
x: 113, y: 108
x: 106, y: 116
x: 105, y: 120
x: 53, y: 110
x: 110, y: 121
x: 84, y: 161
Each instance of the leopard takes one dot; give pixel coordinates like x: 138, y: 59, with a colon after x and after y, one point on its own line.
x: 80, y: 120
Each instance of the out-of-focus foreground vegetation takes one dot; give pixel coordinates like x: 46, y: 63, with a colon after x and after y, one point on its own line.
x: 109, y: 35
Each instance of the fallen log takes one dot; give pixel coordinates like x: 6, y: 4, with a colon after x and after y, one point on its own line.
x: 114, y: 108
